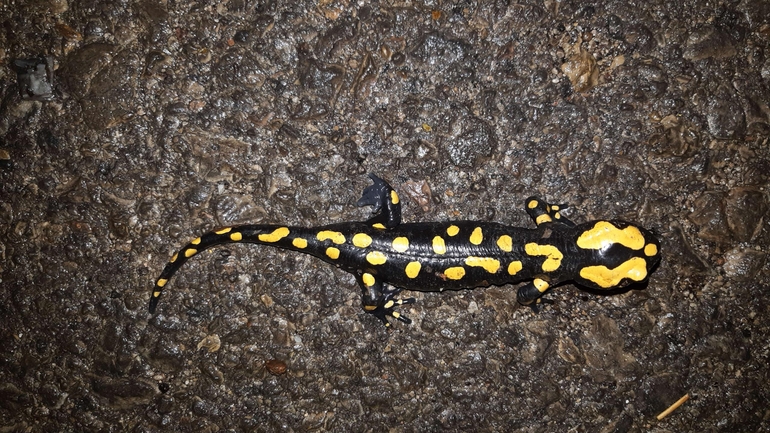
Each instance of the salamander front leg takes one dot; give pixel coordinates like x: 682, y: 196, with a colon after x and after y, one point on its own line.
x: 380, y: 301
x: 543, y: 212
x: 531, y: 293
x: 386, y: 203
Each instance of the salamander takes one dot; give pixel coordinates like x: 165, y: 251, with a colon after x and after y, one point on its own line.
x: 386, y: 256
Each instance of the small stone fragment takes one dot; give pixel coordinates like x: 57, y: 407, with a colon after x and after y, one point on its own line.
x: 211, y: 343
x: 581, y: 69
x: 743, y: 263
x: 275, y: 367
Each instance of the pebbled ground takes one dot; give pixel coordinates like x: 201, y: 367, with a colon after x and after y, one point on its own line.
x: 166, y: 119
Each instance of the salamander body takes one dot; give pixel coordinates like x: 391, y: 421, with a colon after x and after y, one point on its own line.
x: 387, y: 256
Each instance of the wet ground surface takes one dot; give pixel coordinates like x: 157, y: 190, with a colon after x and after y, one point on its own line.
x: 166, y: 119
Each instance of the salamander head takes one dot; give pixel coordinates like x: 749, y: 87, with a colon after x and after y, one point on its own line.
x: 621, y: 253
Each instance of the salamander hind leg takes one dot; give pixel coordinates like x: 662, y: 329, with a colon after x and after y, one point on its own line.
x: 543, y: 212
x: 385, y: 201
x: 380, y: 300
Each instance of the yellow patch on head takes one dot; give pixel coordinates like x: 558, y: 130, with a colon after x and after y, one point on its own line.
x: 634, y: 269
x: 362, y: 240
x: 439, y: 247
x: 477, y: 236
x: 650, y: 250
x: 196, y: 241
x: 378, y: 226
x: 336, y: 237
x: 299, y: 243
x: 541, y: 285
x: 489, y: 264
x: 275, y: 236
x: 333, y: 253
x: 603, y: 234
x: 455, y: 273
x: 452, y: 230
x: 514, y: 267
x: 376, y: 258
x: 161, y: 282
x: 544, y: 218
x: 413, y: 269
x: 223, y: 230
x: 400, y: 244
x: 532, y: 204
x: 505, y: 243
x: 394, y: 197
x: 368, y: 279
x: 190, y: 252
x: 552, y: 255
x: 237, y: 236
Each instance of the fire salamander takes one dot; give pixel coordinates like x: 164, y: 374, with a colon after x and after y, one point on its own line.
x: 386, y: 256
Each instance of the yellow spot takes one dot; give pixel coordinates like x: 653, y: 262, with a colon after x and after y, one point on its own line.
x: 489, y: 264
x: 400, y: 244
x: 299, y: 243
x: 376, y: 258
x: 370, y: 307
x: 541, y: 285
x: 223, y: 230
x: 173, y: 259
x: 413, y: 269
x: 378, y: 226
x: 190, y: 252
x: 544, y: 218
x: 155, y: 294
x: 388, y: 304
x: 555, y: 207
x: 452, y: 230
x: 552, y: 255
x: 275, y: 236
x: 650, y: 250
x: 336, y: 237
x: 161, y: 282
x: 395, y: 314
x: 477, y: 236
x: 557, y: 215
x: 368, y: 279
x: 333, y: 253
x: 196, y: 241
x: 514, y: 267
x: 505, y: 243
x: 393, y: 197
x: 362, y: 240
x: 532, y: 204
x: 235, y: 237
x: 439, y: 247
x: 633, y: 269
x: 455, y: 273
x: 604, y: 234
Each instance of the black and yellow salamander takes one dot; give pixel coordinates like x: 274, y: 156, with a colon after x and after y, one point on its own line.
x: 386, y: 256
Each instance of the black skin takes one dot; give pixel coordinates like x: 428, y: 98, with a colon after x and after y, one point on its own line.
x: 382, y: 281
